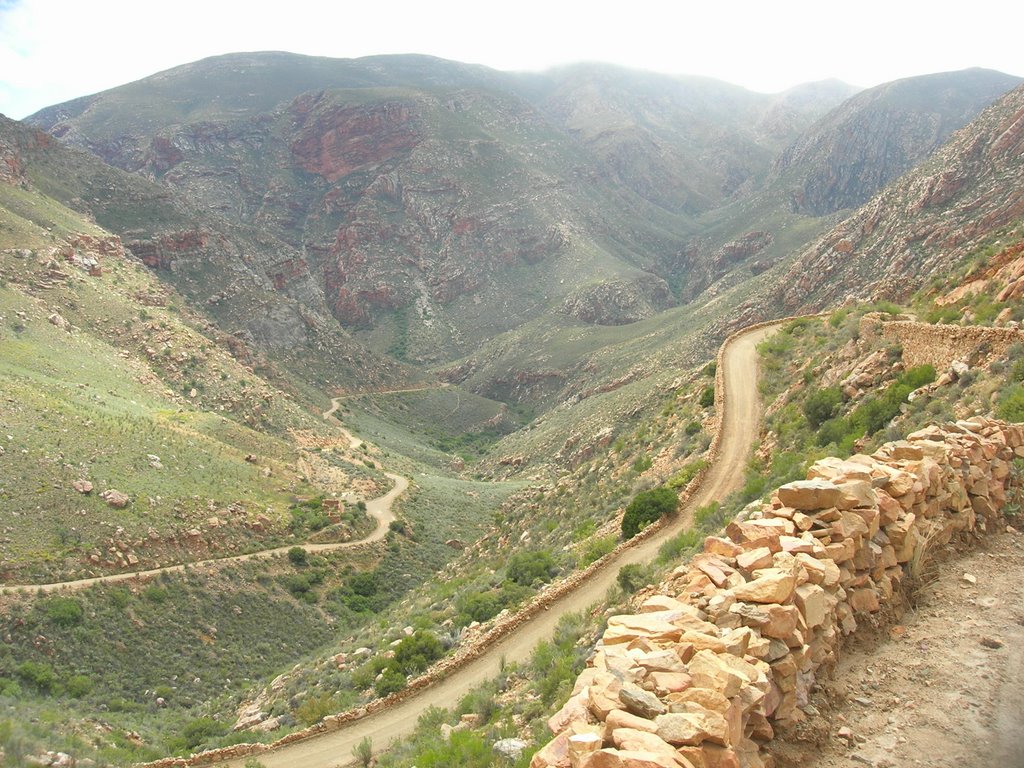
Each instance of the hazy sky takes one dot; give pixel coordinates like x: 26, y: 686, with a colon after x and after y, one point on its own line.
x: 55, y: 50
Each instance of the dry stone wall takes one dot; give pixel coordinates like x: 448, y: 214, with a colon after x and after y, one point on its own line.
x: 941, y: 345
x: 730, y: 644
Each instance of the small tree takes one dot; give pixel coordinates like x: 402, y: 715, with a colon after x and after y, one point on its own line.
x: 646, y: 507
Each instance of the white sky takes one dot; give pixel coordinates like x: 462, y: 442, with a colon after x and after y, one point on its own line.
x: 55, y: 50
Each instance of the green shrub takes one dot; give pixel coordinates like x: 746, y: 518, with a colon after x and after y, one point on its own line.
x: 198, y: 732
x: 707, y: 397
x: 39, y: 675
x: 298, y: 556
x: 63, y: 611
x: 822, y: 405
x: 414, y: 653
x: 684, y: 476
x: 632, y: 577
x: 526, y: 568
x: 313, y: 709
x: 596, y: 549
x: 390, y: 681
x: 693, y: 428
x: 78, y: 686
x: 646, y: 507
x: 1011, y: 404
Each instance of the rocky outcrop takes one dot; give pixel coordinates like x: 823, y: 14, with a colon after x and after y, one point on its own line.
x: 618, y: 302
x: 728, y: 647
x: 921, y: 225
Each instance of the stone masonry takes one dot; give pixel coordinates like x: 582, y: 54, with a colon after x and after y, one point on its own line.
x: 730, y: 644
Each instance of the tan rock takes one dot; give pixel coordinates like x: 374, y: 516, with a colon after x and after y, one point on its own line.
x: 809, y: 494
x: 693, y: 726
x: 810, y: 599
x: 709, y: 670
x: 864, y: 600
x: 856, y: 493
x: 783, y: 622
x: 576, y: 709
x: 751, y: 560
x: 771, y: 585
x: 581, y: 745
x: 554, y: 754
x: 603, y: 694
x: 706, y: 697
x: 640, y: 741
x: 669, y: 682
x: 620, y: 718
x: 719, y: 546
x: 656, y: 626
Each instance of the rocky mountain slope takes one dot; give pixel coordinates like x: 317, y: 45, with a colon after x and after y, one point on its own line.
x: 225, y: 270
x: 922, y: 225
x: 432, y: 208
x: 881, y: 133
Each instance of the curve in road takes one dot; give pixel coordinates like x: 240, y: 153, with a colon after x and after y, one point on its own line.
x: 738, y: 431
x: 379, y: 508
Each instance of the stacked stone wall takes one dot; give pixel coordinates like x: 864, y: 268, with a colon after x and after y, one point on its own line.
x: 941, y: 345
x: 731, y: 643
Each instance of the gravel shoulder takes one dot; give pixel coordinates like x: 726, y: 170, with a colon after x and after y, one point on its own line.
x: 940, y: 686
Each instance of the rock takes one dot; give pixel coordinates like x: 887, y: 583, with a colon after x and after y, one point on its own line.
x: 82, y: 486
x: 710, y: 670
x: 619, y: 718
x: 656, y: 626
x: 759, y: 557
x: 455, y: 544
x: 992, y: 642
x: 554, y: 754
x: 809, y: 494
x: 581, y: 745
x: 640, y: 702
x: 771, y: 585
x: 970, y: 579
x: 810, y: 599
x: 693, y: 727
x: 116, y: 499
x: 640, y: 741
x: 58, y: 321
x: 510, y: 749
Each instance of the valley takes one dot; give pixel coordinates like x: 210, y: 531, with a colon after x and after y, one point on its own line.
x: 338, y: 394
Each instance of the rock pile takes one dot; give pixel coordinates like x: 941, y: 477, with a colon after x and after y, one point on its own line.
x: 731, y: 644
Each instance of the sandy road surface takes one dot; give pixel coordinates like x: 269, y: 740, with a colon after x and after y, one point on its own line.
x: 739, y: 430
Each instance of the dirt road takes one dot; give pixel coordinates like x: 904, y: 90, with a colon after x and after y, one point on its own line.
x: 739, y: 430
x: 379, y: 509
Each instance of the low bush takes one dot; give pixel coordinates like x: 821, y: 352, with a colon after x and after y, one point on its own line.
x: 646, y: 507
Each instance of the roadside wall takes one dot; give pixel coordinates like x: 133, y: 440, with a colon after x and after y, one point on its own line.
x: 940, y: 345
x: 729, y: 645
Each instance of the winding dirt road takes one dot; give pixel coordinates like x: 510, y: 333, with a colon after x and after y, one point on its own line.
x: 379, y: 509
x: 739, y: 430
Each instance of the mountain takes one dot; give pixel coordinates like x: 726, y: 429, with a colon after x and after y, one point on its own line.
x: 880, y: 133
x: 434, y: 204
x: 453, y: 216
x: 924, y: 224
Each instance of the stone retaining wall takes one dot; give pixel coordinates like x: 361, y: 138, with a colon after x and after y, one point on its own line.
x: 940, y: 345
x: 730, y: 644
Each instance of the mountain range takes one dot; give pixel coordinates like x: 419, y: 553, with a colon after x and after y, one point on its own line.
x: 509, y: 285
